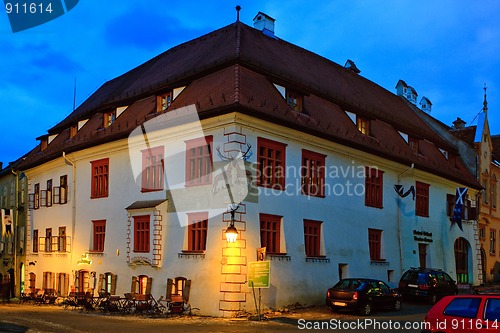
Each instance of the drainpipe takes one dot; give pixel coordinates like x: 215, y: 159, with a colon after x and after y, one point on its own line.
x: 73, y: 213
x: 14, y: 228
x: 400, y: 236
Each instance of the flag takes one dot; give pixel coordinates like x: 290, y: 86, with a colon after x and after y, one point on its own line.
x: 459, y: 204
x: 7, y: 227
x: 399, y: 190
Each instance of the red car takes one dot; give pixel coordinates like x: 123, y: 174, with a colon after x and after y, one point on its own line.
x: 464, y: 314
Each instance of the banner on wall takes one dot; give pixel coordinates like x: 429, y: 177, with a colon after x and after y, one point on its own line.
x: 7, y: 226
x: 459, y: 205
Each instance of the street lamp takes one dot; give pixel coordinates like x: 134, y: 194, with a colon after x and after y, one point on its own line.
x: 231, y: 232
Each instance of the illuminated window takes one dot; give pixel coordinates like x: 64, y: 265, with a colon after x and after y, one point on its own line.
x: 100, y: 178
x: 363, y: 125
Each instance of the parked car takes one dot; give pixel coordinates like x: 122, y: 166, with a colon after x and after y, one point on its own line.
x: 363, y: 296
x: 464, y: 313
x: 429, y: 284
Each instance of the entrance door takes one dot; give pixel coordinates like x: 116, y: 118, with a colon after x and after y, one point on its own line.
x: 422, y: 254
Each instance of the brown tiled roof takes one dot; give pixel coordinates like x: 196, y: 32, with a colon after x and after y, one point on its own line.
x: 466, y: 134
x: 495, y: 141
x: 233, y: 69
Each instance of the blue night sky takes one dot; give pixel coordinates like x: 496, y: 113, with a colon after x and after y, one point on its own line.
x: 446, y: 49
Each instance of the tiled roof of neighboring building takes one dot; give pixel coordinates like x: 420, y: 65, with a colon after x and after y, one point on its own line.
x: 235, y: 69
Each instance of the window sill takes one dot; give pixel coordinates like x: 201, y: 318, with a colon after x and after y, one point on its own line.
x: 96, y: 253
x: 185, y: 254
x: 318, y: 259
x: 277, y: 187
x: 188, y: 184
x: 144, y: 190
x: 279, y: 257
x: 374, y: 206
x: 381, y: 262
x: 100, y: 197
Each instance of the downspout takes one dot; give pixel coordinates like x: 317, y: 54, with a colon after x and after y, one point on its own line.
x: 400, y: 235
x: 73, y: 213
x: 14, y: 228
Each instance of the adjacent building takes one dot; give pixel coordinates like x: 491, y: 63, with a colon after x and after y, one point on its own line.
x: 332, y: 174
x: 13, y: 211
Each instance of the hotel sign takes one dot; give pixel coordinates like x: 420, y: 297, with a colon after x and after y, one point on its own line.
x: 258, y: 274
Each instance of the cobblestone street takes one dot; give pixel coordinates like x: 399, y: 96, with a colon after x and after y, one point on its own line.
x: 44, y: 319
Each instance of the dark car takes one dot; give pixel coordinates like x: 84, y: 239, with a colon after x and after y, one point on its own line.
x: 429, y: 284
x: 464, y: 313
x: 363, y: 296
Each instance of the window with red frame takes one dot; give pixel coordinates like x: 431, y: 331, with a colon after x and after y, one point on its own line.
x: 374, y: 184
x: 197, y: 231
x: 312, y: 238
x: 271, y: 162
x: 100, y: 178
x: 152, y: 169
x: 99, y: 235
x: 141, y: 233
x: 313, y: 173
x: 199, y: 161
x: 374, y: 243
x: 422, y: 199
x: 270, y: 226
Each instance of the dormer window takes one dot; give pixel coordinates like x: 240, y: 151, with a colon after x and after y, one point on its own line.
x: 413, y: 144
x: 109, y: 118
x: 43, y: 144
x: 294, y: 100
x: 363, y: 125
x: 163, y: 101
x: 72, y: 131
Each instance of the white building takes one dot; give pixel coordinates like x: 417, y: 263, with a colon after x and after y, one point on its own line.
x: 127, y: 192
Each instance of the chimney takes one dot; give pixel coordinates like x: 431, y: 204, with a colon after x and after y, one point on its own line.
x: 264, y: 23
x: 459, y: 123
x: 349, y: 64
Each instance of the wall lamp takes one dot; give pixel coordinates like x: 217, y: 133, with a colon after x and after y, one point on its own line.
x: 231, y: 232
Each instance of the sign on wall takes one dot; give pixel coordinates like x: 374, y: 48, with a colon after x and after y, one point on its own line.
x: 258, y: 274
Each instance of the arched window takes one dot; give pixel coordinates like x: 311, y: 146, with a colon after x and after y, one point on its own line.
x: 462, y: 260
